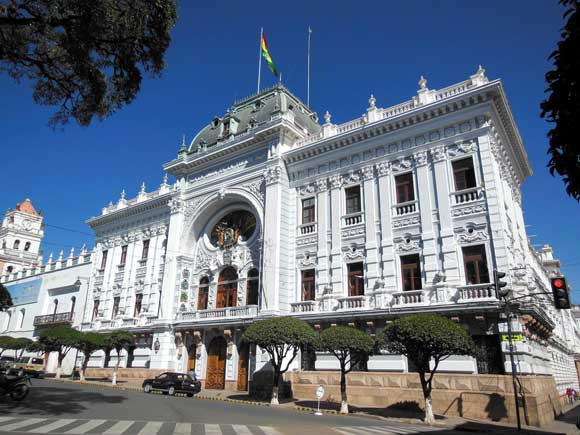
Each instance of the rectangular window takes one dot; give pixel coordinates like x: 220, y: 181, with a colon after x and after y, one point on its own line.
x: 463, y: 174
x: 95, y: 310
x: 411, y: 271
x: 308, y: 210
x: 116, y: 302
x: 352, y: 195
x: 404, y: 188
x: 123, y: 255
x: 104, y: 260
x: 308, y: 285
x: 145, y: 252
x: 475, y: 264
x: 138, y: 304
x: 356, y: 279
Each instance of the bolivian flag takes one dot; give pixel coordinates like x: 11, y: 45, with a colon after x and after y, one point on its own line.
x: 266, y: 55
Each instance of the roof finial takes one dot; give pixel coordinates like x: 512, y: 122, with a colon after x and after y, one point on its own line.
x: 480, y: 71
x: 372, y: 102
x: 142, y: 188
x: 327, y: 117
x: 183, y: 147
x: 165, y: 178
x: 123, y: 194
x: 423, y: 82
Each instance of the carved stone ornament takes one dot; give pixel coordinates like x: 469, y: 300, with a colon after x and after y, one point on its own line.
x: 471, y: 233
x: 354, y: 253
x: 321, y: 184
x: 256, y: 188
x: 335, y: 182
x: 176, y: 205
x: 470, y: 210
x: 353, y: 177
x: 403, y: 164
x: 308, y: 260
x: 438, y: 154
x: 307, y: 190
x: 368, y: 172
x: 421, y: 158
x: 407, y: 243
x: 383, y: 168
x: 460, y: 148
x: 273, y: 175
x: 406, y: 222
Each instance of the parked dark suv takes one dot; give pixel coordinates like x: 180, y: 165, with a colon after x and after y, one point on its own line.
x: 172, y: 383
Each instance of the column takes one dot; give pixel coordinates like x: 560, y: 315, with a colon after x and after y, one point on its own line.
x: 322, y: 216
x: 336, y: 211
x: 388, y: 254
x: 371, y: 250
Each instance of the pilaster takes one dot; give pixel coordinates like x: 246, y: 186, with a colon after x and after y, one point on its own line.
x: 427, y: 205
x: 323, y: 213
x: 335, y: 252
x: 371, y: 249
x: 387, y: 257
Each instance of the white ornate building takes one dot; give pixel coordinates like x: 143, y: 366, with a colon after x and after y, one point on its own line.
x: 405, y: 209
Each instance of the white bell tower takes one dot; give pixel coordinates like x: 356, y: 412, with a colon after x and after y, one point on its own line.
x: 20, y: 235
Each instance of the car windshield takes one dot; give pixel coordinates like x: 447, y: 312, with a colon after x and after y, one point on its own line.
x: 188, y: 378
x: 24, y: 359
x: 162, y: 376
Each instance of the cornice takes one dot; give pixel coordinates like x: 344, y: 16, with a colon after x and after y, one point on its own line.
x: 140, y: 207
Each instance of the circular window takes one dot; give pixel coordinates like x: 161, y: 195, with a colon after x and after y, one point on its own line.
x: 234, y: 227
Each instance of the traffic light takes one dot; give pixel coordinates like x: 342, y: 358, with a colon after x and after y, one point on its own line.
x: 499, y: 285
x: 560, y: 292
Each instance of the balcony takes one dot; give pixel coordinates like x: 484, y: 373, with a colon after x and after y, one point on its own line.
x: 352, y: 302
x: 467, y: 195
x: 305, y: 229
x: 53, y: 319
x: 303, y: 307
x: 406, y: 298
x: 476, y: 293
x: 352, y: 219
x: 405, y: 208
x: 219, y: 313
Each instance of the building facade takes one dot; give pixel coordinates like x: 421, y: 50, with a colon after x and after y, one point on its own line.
x: 406, y: 209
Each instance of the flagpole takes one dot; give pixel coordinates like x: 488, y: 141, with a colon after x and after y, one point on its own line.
x: 260, y: 58
x: 308, y: 80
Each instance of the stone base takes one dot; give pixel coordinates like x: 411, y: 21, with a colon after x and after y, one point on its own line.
x: 123, y: 373
x: 484, y: 397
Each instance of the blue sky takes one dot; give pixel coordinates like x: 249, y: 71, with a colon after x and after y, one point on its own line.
x: 373, y: 47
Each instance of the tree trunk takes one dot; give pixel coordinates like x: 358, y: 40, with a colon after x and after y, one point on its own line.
x: 275, y: 386
x: 343, y: 398
x: 429, y: 417
x: 84, y: 368
x: 116, y: 368
x: 58, y: 365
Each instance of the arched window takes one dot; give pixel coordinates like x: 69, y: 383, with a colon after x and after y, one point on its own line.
x: 203, y: 293
x: 21, y: 320
x: 27, y: 246
x: 252, y: 286
x: 227, y: 294
x: 16, y: 244
x: 73, y: 302
x: 9, y: 269
x: 3, y: 244
x: 8, y: 317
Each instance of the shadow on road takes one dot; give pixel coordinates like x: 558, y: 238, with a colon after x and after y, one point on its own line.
x: 56, y: 401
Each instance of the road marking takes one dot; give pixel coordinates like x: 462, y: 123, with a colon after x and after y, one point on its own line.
x: 182, y: 429
x: 269, y: 430
x: 6, y: 418
x: 241, y: 430
x: 52, y: 426
x: 119, y: 427
x: 151, y: 428
x: 213, y: 429
x: 86, y: 427
x: 370, y: 430
x: 23, y: 423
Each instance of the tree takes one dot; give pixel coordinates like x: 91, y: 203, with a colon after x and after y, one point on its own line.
x: 85, y: 57
x: 426, y: 340
x: 5, y: 298
x: 5, y: 343
x: 89, y: 343
x: 118, y: 340
x: 60, y: 339
x: 350, y: 346
x: 562, y: 106
x: 19, y: 345
x: 281, y: 338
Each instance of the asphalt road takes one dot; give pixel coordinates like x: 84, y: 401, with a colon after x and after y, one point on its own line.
x: 62, y: 408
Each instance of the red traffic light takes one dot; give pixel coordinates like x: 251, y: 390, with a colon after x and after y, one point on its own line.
x: 558, y: 283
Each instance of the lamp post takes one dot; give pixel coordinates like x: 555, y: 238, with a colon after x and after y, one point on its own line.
x: 78, y: 284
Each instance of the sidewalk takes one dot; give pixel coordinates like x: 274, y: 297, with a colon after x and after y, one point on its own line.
x: 565, y: 424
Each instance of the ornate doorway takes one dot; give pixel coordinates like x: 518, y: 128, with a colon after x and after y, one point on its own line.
x: 216, y: 364
x: 243, y: 359
x: 191, y: 358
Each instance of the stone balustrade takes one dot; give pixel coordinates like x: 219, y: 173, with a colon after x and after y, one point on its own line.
x: 352, y: 302
x: 305, y: 229
x: 353, y: 219
x: 468, y: 195
x: 406, y: 208
x: 412, y: 297
x: 476, y: 292
x: 218, y: 313
x: 303, y: 307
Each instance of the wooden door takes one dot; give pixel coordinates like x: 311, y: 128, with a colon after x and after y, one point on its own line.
x: 243, y: 357
x: 191, y: 358
x: 216, y: 364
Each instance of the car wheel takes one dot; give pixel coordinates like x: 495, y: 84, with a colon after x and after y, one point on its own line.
x: 171, y: 390
x: 147, y: 388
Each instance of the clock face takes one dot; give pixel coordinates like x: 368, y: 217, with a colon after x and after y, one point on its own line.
x: 26, y: 224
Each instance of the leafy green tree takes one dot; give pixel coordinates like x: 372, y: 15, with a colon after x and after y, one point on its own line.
x: 5, y: 343
x: 350, y: 346
x: 118, y: 340
x: 5, y: 298
x: 281, y: 338
x: 19, y: 345
x: 426, y: 340
x: 562, y: 106
x: 89, y: 343
x: 86, y: 57
x: 60, y: 339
